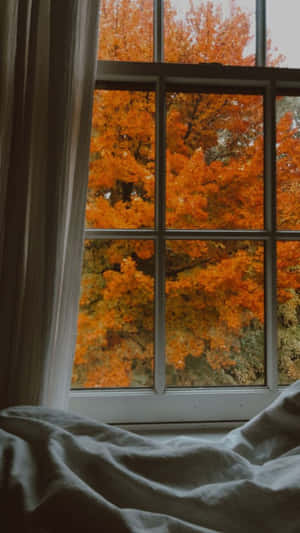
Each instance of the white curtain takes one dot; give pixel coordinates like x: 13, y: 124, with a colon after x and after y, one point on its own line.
x: 47, y: 65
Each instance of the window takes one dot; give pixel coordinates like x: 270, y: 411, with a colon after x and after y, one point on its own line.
x: 190, y: 305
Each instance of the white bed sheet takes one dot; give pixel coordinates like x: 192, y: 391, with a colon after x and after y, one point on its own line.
x: 60, y: 472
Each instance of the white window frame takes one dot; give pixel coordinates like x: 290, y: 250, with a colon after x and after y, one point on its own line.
x: 203, y: 404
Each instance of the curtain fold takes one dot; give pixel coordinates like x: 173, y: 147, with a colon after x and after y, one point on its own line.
x: 46, y: 86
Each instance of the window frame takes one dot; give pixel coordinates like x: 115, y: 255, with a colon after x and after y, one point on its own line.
x: 205, y: 404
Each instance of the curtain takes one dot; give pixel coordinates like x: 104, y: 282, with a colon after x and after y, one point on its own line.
x: 47, y: 67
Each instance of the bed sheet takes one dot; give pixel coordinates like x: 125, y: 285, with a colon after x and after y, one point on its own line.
x: 60, y: 472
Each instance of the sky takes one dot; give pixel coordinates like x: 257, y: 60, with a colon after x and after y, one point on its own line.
x: 283, y: 18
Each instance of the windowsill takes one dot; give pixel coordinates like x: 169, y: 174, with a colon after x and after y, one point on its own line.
x: 163, y: 432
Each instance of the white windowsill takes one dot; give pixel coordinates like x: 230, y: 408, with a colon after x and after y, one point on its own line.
x: 163, y: 432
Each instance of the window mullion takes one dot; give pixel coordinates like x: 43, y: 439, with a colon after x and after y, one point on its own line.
x: 160, y: 201
x: 158, y: 31
x: 140, y: 233
x: 260, y: 33
x: 270, y: 248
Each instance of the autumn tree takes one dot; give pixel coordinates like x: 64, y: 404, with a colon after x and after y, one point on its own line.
x: 214, y: 180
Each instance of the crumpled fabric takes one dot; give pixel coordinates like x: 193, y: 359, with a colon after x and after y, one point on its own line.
x: 60, y: 472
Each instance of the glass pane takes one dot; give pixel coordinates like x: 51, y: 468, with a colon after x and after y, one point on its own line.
x: 126, y: 30
x: 288, y: 162
x: 288, y: 312
x: 283, y: 32
x: 115, y: 322
x: 122, y: 168
x: 215, y: 313
x: 210, y: 31
x: 214, y: 161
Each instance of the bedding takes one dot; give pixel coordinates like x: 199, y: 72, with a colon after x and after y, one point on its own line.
x: 60, y: 472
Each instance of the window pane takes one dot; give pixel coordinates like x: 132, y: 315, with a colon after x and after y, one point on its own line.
x: 126, y: 30
x: 283, y: 32
x: 122, y: 173
x: 210, y: 31
x: 214, y: 161
x: 115, y: 323
x: 215, y: 313
x: 288, y: 162
x: 288, y: 294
